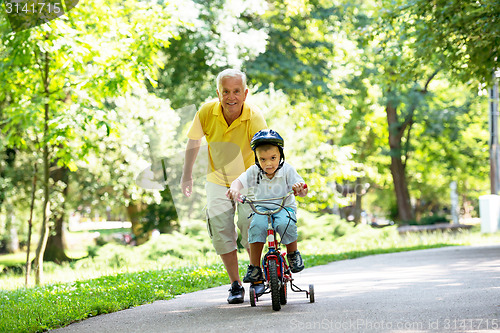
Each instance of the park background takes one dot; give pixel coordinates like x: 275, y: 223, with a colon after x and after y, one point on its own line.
x: 382, y: 104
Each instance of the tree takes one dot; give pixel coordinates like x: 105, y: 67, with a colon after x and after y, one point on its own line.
x: 308, y: 57
x: 404, y: 81
x: 299, y: 55
x: 67, y: 69
x: 218, y: 34
x: 455, y: 114
x: 405, y: 78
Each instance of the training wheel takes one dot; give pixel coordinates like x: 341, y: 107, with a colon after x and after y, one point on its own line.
x: 311, y: 293
x: 253, y: 297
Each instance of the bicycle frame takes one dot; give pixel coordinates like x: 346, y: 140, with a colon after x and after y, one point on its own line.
x: 276, y: 270
x: 271, y: 233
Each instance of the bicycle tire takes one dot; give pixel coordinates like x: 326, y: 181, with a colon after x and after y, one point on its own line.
x: 311, y: 293
x: 275, y: 285
x: 253, y: 297
x: 283, y: 294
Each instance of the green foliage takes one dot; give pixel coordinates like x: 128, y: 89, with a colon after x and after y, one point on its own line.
x: 162, y: 216
x: 323, y: 72
x: 321, y: 227
x: 431, y: 219
x: 64, y: 74
x: 165, y: 250
x: 216, y: 35
x: 464, y: 34
x: 315, y: 156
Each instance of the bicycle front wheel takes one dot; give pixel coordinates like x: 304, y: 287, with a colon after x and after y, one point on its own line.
x: 275, y: 285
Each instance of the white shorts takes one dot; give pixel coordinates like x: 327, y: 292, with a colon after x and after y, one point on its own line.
x: 220, y: 219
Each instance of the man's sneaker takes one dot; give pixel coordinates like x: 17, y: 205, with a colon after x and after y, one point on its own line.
x: 236, y: 293
x: 295, y: 262
x: 254, y: 274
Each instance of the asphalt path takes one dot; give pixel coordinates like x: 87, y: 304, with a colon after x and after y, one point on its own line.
x: 453, y: 289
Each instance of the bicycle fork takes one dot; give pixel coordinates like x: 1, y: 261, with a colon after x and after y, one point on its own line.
x: 272, y: 252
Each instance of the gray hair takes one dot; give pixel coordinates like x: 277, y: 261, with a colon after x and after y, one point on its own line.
x: 231, y: 72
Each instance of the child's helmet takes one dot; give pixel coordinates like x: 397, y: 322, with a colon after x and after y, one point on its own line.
x: 267, y: 136
x: 270, y: 137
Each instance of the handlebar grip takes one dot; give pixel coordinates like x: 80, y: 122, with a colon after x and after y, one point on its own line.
x: 304, y: 187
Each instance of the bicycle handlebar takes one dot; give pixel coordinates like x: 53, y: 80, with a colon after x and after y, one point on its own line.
x: 243, y: 199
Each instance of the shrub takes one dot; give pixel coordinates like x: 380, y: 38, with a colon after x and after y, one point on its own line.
x: 431, y: 219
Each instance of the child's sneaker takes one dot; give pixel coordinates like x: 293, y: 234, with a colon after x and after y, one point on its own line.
x: 295, y: 261
x: 254, y: 274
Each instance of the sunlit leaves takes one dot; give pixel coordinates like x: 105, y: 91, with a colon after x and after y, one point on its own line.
x: 464, y: 33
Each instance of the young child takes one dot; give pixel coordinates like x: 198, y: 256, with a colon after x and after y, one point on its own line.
x: 270, y: 177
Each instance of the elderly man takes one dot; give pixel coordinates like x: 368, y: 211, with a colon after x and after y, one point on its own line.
x: 228, y: 125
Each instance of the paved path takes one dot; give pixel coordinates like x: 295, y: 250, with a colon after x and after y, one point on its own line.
x: 454, y: 289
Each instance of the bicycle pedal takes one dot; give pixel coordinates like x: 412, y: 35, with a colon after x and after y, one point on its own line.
x: 259, y: 288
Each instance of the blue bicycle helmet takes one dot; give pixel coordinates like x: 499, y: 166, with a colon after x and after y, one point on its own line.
x: 268, y: 137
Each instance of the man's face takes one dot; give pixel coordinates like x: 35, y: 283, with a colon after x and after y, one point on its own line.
x: 232, y: 94
x: 269, y: 159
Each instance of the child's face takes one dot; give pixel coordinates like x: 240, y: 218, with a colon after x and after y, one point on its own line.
x: 269, y: 159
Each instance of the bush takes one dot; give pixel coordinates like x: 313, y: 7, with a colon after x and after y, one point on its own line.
x: 431, y: 219
x: 321, y: 226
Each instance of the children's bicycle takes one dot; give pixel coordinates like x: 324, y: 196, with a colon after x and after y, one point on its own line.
x: 276, y: 270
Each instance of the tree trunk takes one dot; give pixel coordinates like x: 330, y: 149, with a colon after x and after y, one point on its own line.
x: 405, y: 209
x: 418, y: 210
x: 56, y: 243
x: 359, y: 193
x: 398, y: 172
x: 44, y: 232
x: 134, y: 211
x: 30, y: 224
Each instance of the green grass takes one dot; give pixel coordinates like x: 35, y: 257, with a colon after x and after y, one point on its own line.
x: 14, y: 259
x: 120, y: 277
x: 52, y: 306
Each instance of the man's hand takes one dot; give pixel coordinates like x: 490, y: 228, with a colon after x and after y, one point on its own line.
x: 300, y: 189
x: 187, y: 185
x: 192, y: 149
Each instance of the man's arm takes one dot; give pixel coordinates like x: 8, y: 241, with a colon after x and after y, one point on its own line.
x: 192, y: 149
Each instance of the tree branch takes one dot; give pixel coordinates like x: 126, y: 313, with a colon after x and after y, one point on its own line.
x: 424, y: 91
x: 409, y: 117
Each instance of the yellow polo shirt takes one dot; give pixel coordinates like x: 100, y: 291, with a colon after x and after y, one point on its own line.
x: 229, y: 151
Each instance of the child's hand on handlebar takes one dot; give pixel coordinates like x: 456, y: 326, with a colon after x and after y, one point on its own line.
x: 300, y: 189
x: 233, y: 194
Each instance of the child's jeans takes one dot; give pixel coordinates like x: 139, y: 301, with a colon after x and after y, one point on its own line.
x: 288, y: 231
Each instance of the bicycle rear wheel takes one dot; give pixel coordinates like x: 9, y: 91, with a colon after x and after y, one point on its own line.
x: 253, y: 297
x: 311, y: 293
x: 275, y: 285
